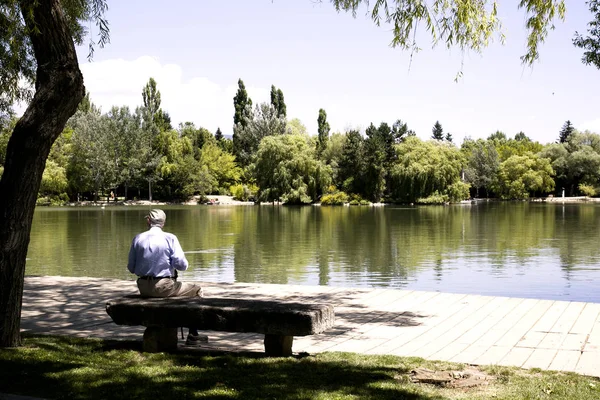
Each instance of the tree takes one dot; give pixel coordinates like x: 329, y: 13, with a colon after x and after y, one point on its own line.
x: 565, y: 132
x: 242, y: 116
x: 247, y: 135
x: 482, y: 165
x: 286, y: 169
x: 219, y: 135
x: 323, y: 131
x: 42, y: 34
x: 521, y: 136
x: 498, y: 137
x: 448, y: 137
x: 591, y: 43
x: 242, y: 105
x: 352, y: 163
x: 400, y: 131
x: 151, y: 98
x: 221, y: 166
x: 424, y: 168
x: 278, y: 102
x: 521, y: 176
x: 437, y: 133
x: 375, y: 158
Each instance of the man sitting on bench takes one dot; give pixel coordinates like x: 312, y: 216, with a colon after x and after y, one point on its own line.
x: 155, y: 256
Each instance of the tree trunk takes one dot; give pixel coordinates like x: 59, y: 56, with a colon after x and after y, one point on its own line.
x: 59, y: 89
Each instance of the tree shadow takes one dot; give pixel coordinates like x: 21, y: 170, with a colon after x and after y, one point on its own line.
x: 127, y: 374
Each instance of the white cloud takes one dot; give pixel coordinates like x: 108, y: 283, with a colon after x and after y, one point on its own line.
x: 200, y: 100
x: 591, y: 125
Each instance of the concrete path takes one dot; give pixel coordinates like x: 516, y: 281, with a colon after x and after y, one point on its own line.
x: 546, y: 334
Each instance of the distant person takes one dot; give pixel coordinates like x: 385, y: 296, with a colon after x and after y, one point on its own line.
x: 155, y: 257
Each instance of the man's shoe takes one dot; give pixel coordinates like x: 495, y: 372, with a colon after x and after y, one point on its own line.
x: 195, y: 340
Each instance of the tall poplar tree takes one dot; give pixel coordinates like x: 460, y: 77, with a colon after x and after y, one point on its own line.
x: 278, y: 101
x: 242, y: 105
x: 323, y: 129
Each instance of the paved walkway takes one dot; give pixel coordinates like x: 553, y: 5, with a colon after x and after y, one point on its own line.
x: 546, y: 334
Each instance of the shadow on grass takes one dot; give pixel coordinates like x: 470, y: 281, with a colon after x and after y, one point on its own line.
x: 62, y: 367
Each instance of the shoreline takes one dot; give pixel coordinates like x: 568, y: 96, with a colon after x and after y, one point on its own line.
x: 229, y: 200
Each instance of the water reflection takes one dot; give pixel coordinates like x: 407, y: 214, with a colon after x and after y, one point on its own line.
x: 512, y: 249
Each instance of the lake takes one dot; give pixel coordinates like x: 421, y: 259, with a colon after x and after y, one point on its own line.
x: 533, y: 250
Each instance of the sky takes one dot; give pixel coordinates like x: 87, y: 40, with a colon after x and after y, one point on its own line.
x: 197, y: 51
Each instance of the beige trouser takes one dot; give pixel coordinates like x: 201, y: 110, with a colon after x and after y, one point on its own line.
x: 168, y: 288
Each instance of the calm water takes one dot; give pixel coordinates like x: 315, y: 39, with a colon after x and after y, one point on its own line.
x: 548, y: 251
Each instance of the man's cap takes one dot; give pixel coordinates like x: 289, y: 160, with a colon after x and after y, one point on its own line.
x: 156, y: 217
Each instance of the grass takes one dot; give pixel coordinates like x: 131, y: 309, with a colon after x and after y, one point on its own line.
x: 71, y: 368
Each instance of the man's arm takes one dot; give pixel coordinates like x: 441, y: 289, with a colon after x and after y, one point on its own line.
x: 131, y: 258
x: 178, y: 260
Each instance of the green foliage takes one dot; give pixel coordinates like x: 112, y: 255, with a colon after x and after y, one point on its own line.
x: 286, y: 169
x: 278, y: 102
x: 521, y: 176
x: 434, y: 198
x: 151, y: 98
x: 323, y: 131
x: 576, y: 161
x: 334, y: 197
x: 296, y: 127
x: 591, y: 43
x: 437, y: 132
x: 587, y: 190
x: 483, y: 163
x: 352, y: 163
x: 521, y: 136
x: 242, y: 105
x: 220, y: 165
x: 378, y: 152
x: 497, y: 137
x: 458, y: 191
x: 54, y: 179
x: 16, y: 53
x: 422, y: 168
x: 565, y: 132
x: 260, y: 124
x: 243, y: 192
x: 400, y: 131
x: 467, y: 24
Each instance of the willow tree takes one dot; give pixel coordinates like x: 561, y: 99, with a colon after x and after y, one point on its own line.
x: 37, y: 43
x: 465, y: 24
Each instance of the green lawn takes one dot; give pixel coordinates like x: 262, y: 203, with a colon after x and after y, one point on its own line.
x: 70, y: 368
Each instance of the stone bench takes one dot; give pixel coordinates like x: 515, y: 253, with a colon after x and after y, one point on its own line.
x: 278, y: 321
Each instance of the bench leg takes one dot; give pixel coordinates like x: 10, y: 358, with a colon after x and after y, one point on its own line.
x: 160, y: 339
x: 278, y: 345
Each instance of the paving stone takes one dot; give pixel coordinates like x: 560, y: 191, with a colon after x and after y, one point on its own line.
x: 586, y: 319
x: 516, y: 357
x: 540, y: 358
x: 565, y: 360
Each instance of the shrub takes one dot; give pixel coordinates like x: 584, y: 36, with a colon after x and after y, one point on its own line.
x: 242, y: 192
x: 332, y: 199
x: 435, y: 198
x: 458, y: 191
x: 587, y: 190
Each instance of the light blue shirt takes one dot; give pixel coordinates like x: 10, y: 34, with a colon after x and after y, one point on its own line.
x: 156, y: 253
